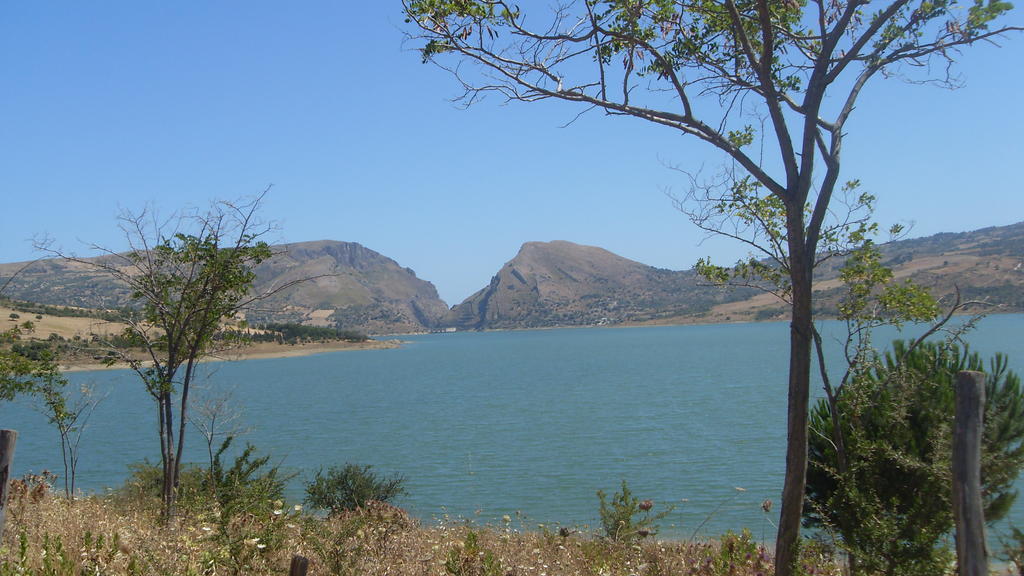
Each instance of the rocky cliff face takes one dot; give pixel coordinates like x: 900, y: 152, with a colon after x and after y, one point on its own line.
x: 350, y: 286
x: 565, y: 284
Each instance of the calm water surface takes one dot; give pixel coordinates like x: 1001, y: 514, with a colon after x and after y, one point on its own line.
x: 487, y: 424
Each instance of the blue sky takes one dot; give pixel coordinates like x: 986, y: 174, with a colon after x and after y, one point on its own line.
x: 118, y: 105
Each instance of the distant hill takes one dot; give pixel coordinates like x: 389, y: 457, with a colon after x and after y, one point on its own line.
x: 986, y: 265
x: 549, y: 284
x: 357, y: 288
x: 565, y: 284
x: 354, y: 288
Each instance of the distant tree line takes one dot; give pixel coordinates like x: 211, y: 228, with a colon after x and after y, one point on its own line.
x: 293, y: 333
x: 63, y: 311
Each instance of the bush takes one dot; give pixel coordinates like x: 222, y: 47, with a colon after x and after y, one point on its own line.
x: 351, y: 487
x: 891, y: 507
x: 626, y: 518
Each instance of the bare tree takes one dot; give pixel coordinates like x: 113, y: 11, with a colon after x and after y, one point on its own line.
x: 216, y: 416
x: 749, y: 77
x: 70, y: 419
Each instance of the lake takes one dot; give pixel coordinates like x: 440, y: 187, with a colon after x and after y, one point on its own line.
x: 525, y: 423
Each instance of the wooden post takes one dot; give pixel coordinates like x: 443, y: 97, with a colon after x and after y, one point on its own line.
x: 8, y: 438
x: 300, y: 564
x: 971, y: 552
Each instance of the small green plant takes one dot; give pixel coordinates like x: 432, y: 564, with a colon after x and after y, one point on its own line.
x: 626, y: 518
x: 739, y: 554
x: 471, y: 560
x: 56, y: 561
x: 351, y: 487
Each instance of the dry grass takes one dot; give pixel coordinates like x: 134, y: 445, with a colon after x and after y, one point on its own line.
x: 66, y: 327
x: 48, y: 535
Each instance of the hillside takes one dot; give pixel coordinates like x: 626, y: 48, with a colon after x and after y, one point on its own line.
x: 565, y: 284
x: 547, y: 284
x: 352, y: 287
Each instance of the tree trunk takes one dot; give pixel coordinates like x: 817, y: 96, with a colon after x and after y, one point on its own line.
x: 8, y: 438
x: 170, y: 487
x: 800, y: 339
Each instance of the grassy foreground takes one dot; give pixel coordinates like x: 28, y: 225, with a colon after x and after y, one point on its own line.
x: 116, y: 535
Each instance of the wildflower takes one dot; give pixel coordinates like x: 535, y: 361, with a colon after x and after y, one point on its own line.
x: 506, y: 519
x: 297, y: 508
x: 278, y: 512
x: 646, y: 505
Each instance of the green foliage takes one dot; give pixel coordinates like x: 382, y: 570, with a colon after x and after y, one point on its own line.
x: 250, y: 485
x: 243, y: 500
x: 292, y: 333
x: 95, y: 554
x: 1013, y: 549
x: 144, y: 485
x: 471, y: 559
x: 28, y: 368
x: 872, y: 296
x: 65, y: 311
x: 891, y: 508
x: 760, y: 219
x: 351, y: 487
x: 739, y: 554
x: 185, y: 285
x: 625, y: 518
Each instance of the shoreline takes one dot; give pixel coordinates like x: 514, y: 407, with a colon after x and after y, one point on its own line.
x: 260, y: 351
x: 265, y: 350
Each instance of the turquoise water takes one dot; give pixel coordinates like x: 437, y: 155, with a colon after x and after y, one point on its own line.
x: 488, y: 424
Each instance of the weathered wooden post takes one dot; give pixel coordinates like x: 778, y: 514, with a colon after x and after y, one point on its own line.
x: 971, y: 552
x: 8, y: 438
x: 300, y: 564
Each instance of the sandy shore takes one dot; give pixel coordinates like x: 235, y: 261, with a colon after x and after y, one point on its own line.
x: 261, y: 350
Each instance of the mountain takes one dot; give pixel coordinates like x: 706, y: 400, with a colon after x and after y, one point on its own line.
x: 564, y: 284
x: 985, y: 265
x: 351, y: 287
x: 549, y: 284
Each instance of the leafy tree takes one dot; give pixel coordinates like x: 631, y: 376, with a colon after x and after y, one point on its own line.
x: 351, y: 487
x: 890, y: 502
x: 23, y: 367
x: 772, y: 85
x: 187, y: 278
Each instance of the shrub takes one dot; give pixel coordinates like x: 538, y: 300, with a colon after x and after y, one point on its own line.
x: 626, y: 518
x: 351, y: 487
x: 891, y: 507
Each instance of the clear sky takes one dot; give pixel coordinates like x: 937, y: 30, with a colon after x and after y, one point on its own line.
x: 117, y: 105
